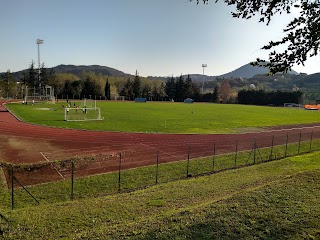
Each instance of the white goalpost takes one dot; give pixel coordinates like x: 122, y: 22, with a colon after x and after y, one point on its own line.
x: 119, y: 98
x: 82, y: 114
x: 39, y: 94
x: 89, y: 103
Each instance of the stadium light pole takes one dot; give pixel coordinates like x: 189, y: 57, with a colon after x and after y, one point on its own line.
x: 203, y: 66
x: 39, y: 41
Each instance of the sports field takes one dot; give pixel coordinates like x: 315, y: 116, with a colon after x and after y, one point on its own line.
x: 160, y: 117
x: 268, y: 200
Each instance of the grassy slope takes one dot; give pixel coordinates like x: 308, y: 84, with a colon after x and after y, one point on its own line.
x: 273, y: 200
x: 170, y: 117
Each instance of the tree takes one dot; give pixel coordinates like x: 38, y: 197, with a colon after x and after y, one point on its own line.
x: 52, y: 77
x: 44, y: 76
x: 8, y: 85
x: 107, y: 90
x: 67, y: 88
x: 158, y: 90
x: 136, y: 85
x: 127, y: 90
x: 261, y: 97
x: 180, y: 88
x: 224, y: 92
x: 146, y: 91
x: 170, y: 88
x: 32, y: 76
x: 91, y: 88
x: 76, y: 88
x: 215, y: 95
x: 189, y: 90
x: 302, y: 37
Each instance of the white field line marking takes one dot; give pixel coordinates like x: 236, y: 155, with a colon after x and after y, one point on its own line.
x: 160, y: 151
x: 52, y: 165
x: 282, y: 130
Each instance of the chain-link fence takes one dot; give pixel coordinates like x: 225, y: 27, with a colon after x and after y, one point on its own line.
x: 62, y: 177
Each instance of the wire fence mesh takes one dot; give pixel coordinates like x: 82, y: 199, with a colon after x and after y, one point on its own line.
x: 64, y: 176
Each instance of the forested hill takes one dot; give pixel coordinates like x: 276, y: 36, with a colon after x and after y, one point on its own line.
x: 78, y: 70
x: 246, y: 71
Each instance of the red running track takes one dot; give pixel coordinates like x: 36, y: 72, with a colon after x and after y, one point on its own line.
x: 21, y: 142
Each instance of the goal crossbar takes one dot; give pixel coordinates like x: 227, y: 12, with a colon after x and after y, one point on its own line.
x: 82, y: 114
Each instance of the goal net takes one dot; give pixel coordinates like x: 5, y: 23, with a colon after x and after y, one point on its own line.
x: 119, y: 98
x: 39, y: 94
x: 82, y: 114
x: 88, y: 103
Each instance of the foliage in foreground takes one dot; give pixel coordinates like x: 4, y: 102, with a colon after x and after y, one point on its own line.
x: 273, y: 200
x: 301, y: 40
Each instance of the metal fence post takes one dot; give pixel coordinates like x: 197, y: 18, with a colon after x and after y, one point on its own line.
x: 311, y: 141
x: 213, y: 157
x: 271, y: 150
x: 286, y: 148
x: 299, y: 144
x: 236, y: 155
x: 72, y: 179
x: 188, y: 161
x: 157, y: 167
x: 12, y: 188
x: 255, y: 151
x: 119, y: 176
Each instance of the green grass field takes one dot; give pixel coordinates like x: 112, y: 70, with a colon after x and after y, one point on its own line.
x: 274, y: 200
x: 158, y: 117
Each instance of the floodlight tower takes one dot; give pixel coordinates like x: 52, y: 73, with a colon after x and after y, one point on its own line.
x: 203, y: 66
x: 39, y: 41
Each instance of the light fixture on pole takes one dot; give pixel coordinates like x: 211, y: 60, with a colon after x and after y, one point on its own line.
x: 203, y: 66
x: 39, y: 41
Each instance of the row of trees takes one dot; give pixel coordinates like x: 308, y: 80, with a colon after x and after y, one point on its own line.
x: 180, y: 88
x: 177, y: 89
x: 38, y: 77
x: 8, y: 85
x: 135, y: 89
x: 91, y: 85
x: 275, y: 98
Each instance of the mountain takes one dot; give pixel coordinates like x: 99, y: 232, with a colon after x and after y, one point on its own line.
x: 78, y: 70
x: 248, y: 71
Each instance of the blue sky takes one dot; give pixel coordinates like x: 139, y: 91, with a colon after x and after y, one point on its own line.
x: 155, y: 37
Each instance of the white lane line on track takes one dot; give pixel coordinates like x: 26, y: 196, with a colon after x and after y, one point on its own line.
x: 52, y: 165
x: 279, y: 130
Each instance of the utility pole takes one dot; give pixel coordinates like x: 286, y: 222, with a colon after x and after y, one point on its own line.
x: 203, y: 66
x: 39, y: 41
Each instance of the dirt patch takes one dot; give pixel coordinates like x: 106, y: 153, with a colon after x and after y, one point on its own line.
x: 19, y: 149
x: 250, y: 129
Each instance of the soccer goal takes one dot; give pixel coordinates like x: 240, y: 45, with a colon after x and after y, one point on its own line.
x: 119, y: 98
x: 88, y: 103
x: 39, y: 94
x: 82, y: 114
